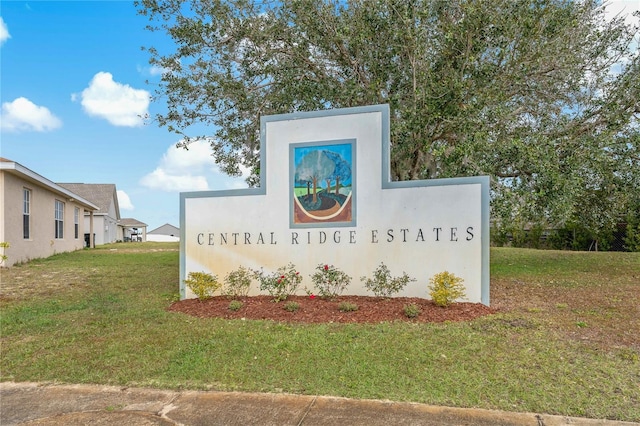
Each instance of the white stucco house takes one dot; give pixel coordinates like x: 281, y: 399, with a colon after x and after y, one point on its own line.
x: 39, y: 218
x: 164, y: 233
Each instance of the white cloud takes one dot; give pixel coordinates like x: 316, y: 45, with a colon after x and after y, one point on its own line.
x: 153, y: 70
x: 124, y: 202
x: 194, y: 169
x: 623, y: 8
x: 119, y: 104
x: 4, y: 32
x: 160, y: 179
x: 156, y: 70
x: 24, y: 115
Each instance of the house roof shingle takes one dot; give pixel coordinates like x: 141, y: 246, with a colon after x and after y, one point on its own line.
x: 101, y: 194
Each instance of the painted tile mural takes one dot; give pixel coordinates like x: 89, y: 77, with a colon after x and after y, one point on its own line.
x: 323, y: 183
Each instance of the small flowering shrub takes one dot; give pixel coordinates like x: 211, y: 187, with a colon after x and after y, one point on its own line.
x: 411, y: 310
x: 238, y: 282
x: 383, y: 284
x: 347, y: 307
x: 445, y: 288
x: 330, y: 281
x: 280, y: 284
x: 235, y: 305
x: 202, y: 284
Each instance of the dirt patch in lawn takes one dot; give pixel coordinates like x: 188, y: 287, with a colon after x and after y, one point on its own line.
x: 605, y: 315
x: 317, y: 310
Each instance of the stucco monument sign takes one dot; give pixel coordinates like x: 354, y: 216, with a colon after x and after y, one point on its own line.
x: 326, y: 197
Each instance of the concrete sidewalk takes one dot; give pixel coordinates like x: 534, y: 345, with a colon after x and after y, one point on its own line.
x: 72, y: 405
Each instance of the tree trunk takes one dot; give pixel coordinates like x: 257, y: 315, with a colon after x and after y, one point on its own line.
x: 315, y: 190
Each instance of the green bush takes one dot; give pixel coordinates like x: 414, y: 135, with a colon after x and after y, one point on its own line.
x: 330, y: 281
x: 445, y: 288
x: 632, y: 237
x: 578, y: 237
x: 238, y: 282
x: 499, y: 236
x: 411, y: 311
x: 202, y: 284
x: 291, y: 306
x: 383, y: 284
x: 347, y: 307
x: 235, y: 305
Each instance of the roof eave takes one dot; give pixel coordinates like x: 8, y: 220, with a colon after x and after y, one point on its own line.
x: 31, y: 176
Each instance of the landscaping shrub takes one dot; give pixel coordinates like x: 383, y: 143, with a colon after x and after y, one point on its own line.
x: 330, y: 281
x: 280, y: 284
x: 383, y: 284
x: 347, y: 307
x: 202, y: 284
x: 235, y: 305
x: 238, y: 282
x: 291, y: 306
x: 445, y: 288
x: 411, y: 310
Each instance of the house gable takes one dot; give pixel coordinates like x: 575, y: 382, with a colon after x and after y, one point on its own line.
x: 104, y: 195
x: 166, y: 229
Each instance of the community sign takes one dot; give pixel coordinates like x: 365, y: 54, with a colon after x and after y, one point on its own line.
x: 326, y: 198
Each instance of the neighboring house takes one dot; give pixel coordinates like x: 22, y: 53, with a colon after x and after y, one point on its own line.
x: 107, y: 217
x: 39, y: 218
x: 130, y: 229
x: 164, y: 233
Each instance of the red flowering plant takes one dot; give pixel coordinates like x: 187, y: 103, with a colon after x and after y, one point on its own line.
x: 280, y: 284
x: 329, y: 281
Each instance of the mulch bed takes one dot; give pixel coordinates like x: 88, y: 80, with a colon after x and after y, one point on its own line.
x: 317, y: 310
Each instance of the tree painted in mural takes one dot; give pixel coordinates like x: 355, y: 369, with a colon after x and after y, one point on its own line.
x: 318, y: 166
x: 341, y: 172
x: 313, y: 168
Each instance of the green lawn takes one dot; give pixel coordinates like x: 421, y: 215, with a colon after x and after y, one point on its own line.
x: 99, y: 316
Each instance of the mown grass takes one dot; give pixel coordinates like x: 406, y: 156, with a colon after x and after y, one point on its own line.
x: 565, y: 268
x: 113, y: 328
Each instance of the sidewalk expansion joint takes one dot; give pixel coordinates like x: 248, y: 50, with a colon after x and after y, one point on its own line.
x: 307, y: 410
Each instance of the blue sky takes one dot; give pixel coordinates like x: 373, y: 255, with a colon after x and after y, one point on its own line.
x: 73, y: 85
x: 72, y: 88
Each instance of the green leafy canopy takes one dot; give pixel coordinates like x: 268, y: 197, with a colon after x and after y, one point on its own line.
x: 541, y: 95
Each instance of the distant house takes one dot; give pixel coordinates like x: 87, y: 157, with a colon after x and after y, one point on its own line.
x: 130, y: 229
x: 164, y: 233
x: 106, y: 218
x: 39, y: 218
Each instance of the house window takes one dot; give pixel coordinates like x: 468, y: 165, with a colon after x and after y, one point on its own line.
x: 26, y: 213
x: 59, y: 219
x: 76, y: 222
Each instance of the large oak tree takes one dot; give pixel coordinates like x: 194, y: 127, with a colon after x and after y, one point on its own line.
x: 541, y: 95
